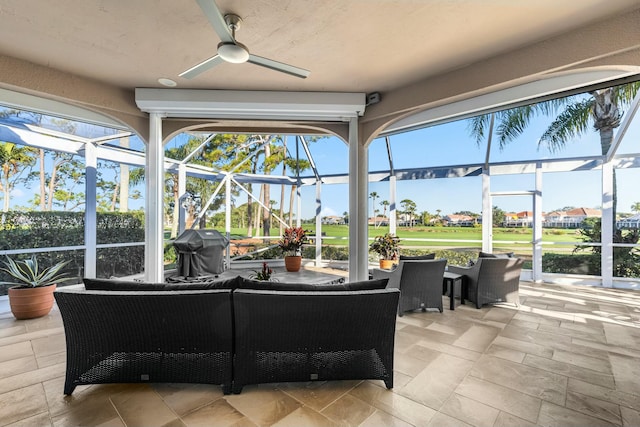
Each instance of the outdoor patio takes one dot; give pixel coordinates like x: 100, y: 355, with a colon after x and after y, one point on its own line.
x: 568, y: 356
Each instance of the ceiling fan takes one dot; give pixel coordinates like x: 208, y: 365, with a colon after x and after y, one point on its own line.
x: 230, y: 50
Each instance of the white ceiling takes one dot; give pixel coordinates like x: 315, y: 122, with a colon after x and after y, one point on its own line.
x: 351, y: 46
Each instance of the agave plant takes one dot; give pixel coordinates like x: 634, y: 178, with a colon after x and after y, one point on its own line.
x: 27, y: 273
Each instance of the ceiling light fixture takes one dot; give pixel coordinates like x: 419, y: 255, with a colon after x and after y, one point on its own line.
x: 167, y: 82
x: 236, y: 53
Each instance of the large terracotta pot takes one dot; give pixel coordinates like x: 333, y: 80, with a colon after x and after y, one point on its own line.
x: 387, y: 264
x: 293, y: 262
x: 29, y: 303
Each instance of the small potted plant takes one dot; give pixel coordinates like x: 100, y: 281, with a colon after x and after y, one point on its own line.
x: 31, y: 295
x: 264, y: 274
x: 291, y: 245
x: 387, y: 247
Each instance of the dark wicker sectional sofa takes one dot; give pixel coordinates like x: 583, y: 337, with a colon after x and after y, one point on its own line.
x: 232, y: 333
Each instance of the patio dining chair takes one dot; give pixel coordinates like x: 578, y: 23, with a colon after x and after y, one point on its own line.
x: 420, y: 283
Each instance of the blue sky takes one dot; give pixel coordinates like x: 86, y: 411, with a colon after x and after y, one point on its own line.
x: 449, y: 145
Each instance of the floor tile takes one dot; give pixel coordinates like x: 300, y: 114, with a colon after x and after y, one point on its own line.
x: 532, y: 381
x: 470, y: 411
x: 305, y: 416
x: 595, y: 407
x: 451, y: 350
x: 500, y: 397
x: 17, y: 366
x: 557, y: 416
x: 583, y: 361
x: 263, y: 405
x: 221, y: 411
x: 508, y: 420
x: 380, y: 418
x: 40, y: 420
x: 22, y: 403
x: 183, y: 398
x: 15, y: 351
x: 630, y: 417
x: 570, y: 370
x: 348, y: 410
x: 477, y: 338
x: 603, y: 393
x: 141, y: 405
x: 442, y: 376
x: 505, y: 353
x: 394, y: 404
x: 444, y: 420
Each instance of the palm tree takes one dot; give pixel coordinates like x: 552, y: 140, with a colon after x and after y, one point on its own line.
x: 13, y: 161
x: 573, y: 117
x: 635, y: 207
x: 385, y: 205
x: 373, y: 196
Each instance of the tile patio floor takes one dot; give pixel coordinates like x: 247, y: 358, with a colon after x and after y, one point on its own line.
x: 569, y: 356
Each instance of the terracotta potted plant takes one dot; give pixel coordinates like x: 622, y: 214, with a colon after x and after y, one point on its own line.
x: 387, y: 247
x: 291, y: 245
x: 32, y: 293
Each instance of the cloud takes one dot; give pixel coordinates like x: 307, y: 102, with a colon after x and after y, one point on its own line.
x: 16, y: 192
x: 328, y: 212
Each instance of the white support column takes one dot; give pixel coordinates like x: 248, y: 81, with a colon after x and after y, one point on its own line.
x: 358, y: 185
x: 607, y: 225
x: 182, y: 189
x: 154, y: 207
x: 392, y: 204
x: 487, y: 213
x: 318, y: 223
x: 90, y: 215
x: 537, y: 226
x: 298, y: 206
x: 227, y: 218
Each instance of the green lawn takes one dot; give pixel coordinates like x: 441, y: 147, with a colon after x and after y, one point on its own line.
x: 522, y: 236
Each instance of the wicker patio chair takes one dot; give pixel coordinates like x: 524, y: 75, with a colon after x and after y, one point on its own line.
x: 420, y: 283
x: 492, y: 280
x: 147, y: 336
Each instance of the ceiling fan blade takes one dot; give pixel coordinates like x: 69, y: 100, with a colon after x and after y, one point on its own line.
x: 202, y: 67
x: 279, y: 66
x: 211, y: 11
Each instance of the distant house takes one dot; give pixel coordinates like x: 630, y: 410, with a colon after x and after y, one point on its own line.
x: 633, y: 222
x: 459, y: 220
x: 333, y: 220
x: 520, y: 219
x: 570, y: 219
x: 379, y: 220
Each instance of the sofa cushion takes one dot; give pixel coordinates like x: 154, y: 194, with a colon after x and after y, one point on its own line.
x: 125, y: 285
x: 489, y: 255
x: 278, y: 286
x: 417, y: 257
x: 366, y: 285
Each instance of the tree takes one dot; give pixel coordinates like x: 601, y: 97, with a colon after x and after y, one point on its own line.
x: 385, y: 205
x: 573, y: 116
x: 426, y: 217
x: 373, y: 196
x: 409, y: 208
x: 498, y: 216
x: 14, y: 161
x: 635, y: 207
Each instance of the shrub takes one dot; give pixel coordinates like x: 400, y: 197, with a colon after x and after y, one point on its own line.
x: 30, y: 230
